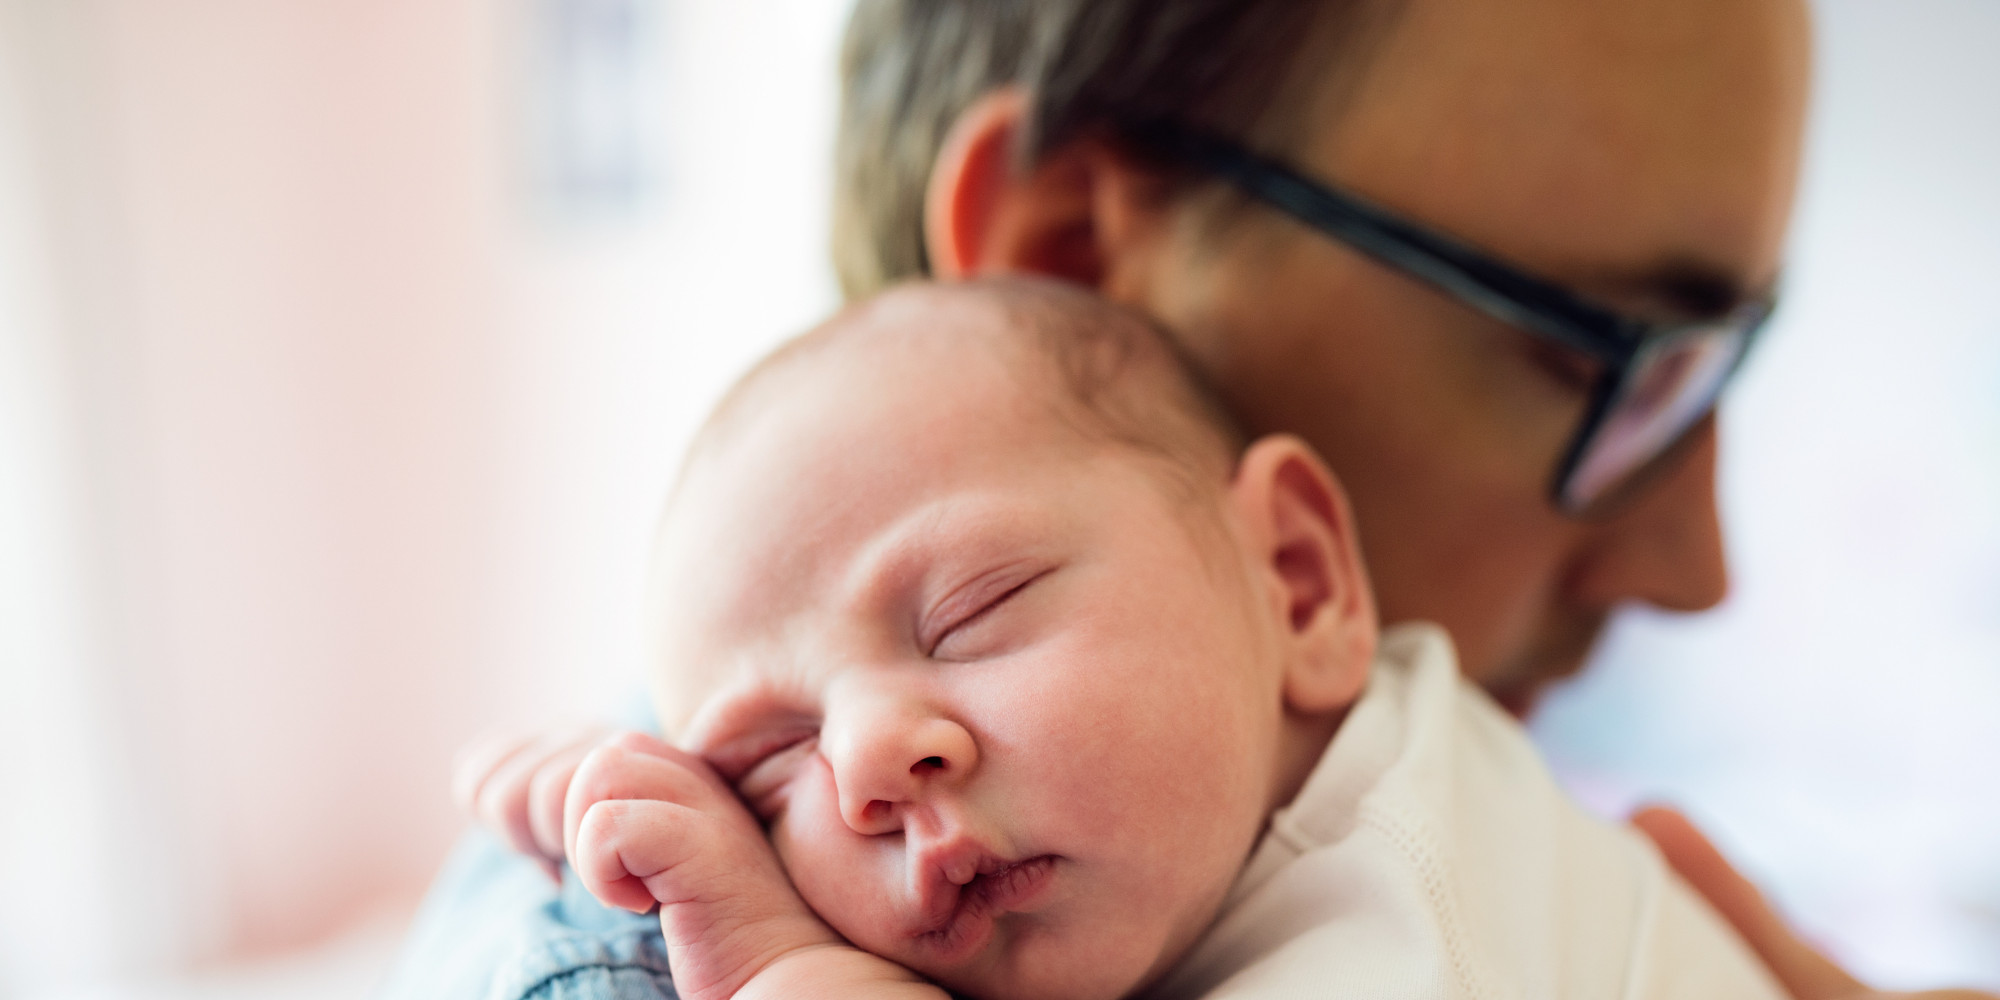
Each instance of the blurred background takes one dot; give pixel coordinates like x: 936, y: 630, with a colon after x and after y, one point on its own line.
x: 347, y: 348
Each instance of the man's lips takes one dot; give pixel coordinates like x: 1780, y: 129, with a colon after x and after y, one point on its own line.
x: 963, y: 893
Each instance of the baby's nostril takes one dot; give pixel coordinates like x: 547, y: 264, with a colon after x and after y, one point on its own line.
x: 930, y: 763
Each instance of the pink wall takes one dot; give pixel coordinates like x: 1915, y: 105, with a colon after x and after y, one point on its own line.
x: 310, y: 212
x: 371, y: 443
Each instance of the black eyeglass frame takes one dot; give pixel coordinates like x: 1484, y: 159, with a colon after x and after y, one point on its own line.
x: 1478, y: 280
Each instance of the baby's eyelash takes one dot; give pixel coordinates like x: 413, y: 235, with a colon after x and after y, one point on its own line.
x: 982, y: 612
x: 967, y: 600
x: 739, y: 757
x: 764, y: 786
x: 982, y: 609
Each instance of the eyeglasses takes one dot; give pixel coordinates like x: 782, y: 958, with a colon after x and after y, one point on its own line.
x: 1659, y: 379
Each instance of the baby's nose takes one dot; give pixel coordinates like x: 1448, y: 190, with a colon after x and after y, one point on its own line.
x: 888, y: 753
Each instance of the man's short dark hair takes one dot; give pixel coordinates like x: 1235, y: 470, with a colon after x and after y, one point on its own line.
x: 909, y: 68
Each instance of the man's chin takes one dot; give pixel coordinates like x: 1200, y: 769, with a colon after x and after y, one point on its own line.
x: 1558, y: 653
x: 1518, y: 702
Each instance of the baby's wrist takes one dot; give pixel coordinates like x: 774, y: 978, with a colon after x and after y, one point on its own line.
x: 835, y: 970
x: 744, y: 949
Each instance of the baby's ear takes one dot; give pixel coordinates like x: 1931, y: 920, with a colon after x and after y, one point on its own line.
x: 1297, y: 520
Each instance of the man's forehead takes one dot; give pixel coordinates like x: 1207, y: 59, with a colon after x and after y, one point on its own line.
x: 1630, y: 146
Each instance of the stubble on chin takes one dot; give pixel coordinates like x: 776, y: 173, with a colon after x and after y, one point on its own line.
x: 1559, y: 650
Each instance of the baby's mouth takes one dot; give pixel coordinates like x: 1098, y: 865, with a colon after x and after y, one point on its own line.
x: 959, y: 917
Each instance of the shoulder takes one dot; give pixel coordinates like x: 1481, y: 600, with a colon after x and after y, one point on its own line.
x: 1543, y: 895
x: 1433, y: 849
x: 1688, y: 951
x: 495, y: 928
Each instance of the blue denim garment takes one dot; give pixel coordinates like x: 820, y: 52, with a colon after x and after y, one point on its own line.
x: 495, y: 928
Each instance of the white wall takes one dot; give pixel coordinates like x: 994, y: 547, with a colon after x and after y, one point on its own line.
x: 82, y: 854
x: 1834, y: 724
x: 53, y: 829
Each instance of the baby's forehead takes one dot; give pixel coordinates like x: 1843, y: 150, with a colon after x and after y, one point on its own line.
x: 836, y: 446
x: 928, y: 386
x: 908, y: 398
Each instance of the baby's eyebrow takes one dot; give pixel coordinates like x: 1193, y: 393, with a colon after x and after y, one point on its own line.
x: 958, y: 528
x: 896, y: 560
x: 736, y: 757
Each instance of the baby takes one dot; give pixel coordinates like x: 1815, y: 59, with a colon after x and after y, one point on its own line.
x: 997, y: 661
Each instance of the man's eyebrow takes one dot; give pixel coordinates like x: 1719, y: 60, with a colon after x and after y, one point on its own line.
x: 1684, y: 286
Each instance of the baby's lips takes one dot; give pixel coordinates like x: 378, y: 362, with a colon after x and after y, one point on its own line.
x: 936, y: 906
x: 944, y: 869
x: 963, y: 873
x: 942, y: 874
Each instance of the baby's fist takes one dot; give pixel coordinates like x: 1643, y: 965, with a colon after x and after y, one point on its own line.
x: 646, y: 823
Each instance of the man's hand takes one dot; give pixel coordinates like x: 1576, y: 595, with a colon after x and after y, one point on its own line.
x: 646, y: 823
x: 1805, y: 973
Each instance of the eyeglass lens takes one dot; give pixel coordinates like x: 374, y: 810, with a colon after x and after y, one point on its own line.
x: 1669, y: 387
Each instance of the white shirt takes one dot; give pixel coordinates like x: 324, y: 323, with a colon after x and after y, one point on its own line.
x: 1430, y: 854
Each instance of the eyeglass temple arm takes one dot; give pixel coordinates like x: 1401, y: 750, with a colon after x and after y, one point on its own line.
x: 1495, y: 289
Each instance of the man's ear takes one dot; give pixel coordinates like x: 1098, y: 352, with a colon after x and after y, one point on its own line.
x: 1069, y: 216
x: 1297, y: 520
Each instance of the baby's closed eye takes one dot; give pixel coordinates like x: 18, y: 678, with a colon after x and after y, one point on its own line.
x: 965, y: 632
x: 761, y: 782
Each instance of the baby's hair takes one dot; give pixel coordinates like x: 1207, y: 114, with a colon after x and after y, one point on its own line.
x: 1118, y: 378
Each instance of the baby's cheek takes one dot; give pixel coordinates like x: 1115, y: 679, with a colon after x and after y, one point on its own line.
x: 848, y: 879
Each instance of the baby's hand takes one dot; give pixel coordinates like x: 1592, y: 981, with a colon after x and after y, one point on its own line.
x: 515, y: 787
x: 646, y: 823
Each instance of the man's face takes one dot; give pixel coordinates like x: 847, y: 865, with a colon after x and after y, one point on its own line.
x: 1642, y: 154
x: 1007, y: 706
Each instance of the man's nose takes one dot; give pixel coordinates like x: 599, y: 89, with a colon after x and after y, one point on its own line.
x: 1666, y: 548
x: 890, y: 751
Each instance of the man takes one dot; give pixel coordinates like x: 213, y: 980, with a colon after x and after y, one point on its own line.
x: 1493, y: 260
x: 1641, y: 155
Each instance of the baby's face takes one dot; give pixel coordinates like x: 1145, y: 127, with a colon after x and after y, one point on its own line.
x: 1006, y: 701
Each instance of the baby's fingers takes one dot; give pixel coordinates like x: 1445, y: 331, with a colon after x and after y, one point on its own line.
x: 637, y: 766
x: 622, y: 843
x: 501, y: 781
x: 476, y: 762
x: 547, y: 791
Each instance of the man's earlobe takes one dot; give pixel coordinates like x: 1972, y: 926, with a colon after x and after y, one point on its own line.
x: 1299, y: 521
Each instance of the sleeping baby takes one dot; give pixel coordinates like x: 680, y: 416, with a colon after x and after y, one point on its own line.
x: 997, y: 661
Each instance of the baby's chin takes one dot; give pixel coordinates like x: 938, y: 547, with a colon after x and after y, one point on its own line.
x: 1030, y: 958
x: 1072, y: 970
